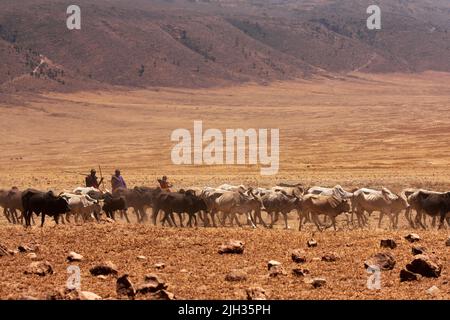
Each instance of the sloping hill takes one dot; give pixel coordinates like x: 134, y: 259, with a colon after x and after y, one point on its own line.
x: 212, y: 42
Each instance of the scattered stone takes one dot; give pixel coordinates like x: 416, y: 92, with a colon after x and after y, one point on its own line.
x: 318, y: 282
x: 330, y: 257
x: 64, y: 294
x: 141, y: 258
x: 273, y: 263
x: 236, y: 275
x: 383, y: 261
x: 412, y: 237
x: 33, y: 256
x: 418, y: 250
x: 106, y: 220
x: 86, y: 295
x: 276, y: 271
x: 298, y: 256
x: 299, y: 272
x: 233, y: 246
x: 388, y: 243
x: 4, y: 251
x: 256, y: 293
x: 406, y: 275
x: 184, y: 271
x: 311, y: 243
x: 26, y: 248
x: 73, y: 256
x: 164, y: 295
x: 316, y: 259
x: 151, y: 284
x: 41, y: 268
x: 124, y: 287
x: 425, y: 265
x: 105, y: 269
x: 159, y: 266
x: 102, y: 277
x: 433, y: 291
x: 447, y: 243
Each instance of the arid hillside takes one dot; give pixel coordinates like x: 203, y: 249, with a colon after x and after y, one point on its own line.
x: 202, y: 43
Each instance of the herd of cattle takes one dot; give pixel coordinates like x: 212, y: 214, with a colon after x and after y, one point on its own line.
x: 226, y: 202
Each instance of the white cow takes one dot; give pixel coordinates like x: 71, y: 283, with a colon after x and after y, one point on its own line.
x: 82, y: 206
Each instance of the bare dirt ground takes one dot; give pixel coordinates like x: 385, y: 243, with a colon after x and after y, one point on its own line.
x: 391, y: 130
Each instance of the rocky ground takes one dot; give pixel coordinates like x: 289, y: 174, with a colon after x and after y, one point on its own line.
x: 188, y: 265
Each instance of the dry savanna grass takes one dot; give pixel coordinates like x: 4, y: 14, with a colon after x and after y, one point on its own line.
x: 364, y: 130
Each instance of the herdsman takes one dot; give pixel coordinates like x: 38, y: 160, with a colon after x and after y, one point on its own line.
x: 92, y: 180
x: 165, y: 184
x: 117, y: 181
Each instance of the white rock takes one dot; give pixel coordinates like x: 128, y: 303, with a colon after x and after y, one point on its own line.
x: 433, y: 291
x: 73, y: 256
x: 86, y: 295
x: 273, y: 263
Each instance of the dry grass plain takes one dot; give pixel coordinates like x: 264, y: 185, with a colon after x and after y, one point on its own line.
x: 364, y: 130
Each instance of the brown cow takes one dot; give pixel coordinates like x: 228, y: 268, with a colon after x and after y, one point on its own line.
x: 331, y: 206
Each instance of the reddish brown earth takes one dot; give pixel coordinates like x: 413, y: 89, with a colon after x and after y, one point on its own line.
x: 373, y: 131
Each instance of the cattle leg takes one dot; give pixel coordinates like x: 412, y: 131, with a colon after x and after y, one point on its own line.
x: 20, y: 218
x: 300, y: 218
x: 14, y: 218
x: 333, y: 221
x: 285, y: 216
x: 250, y: 221
x: 155, y: 212
x: 6, y: 214
x: 171, y: 219
x: 381, y: 218
x: 180, y: 216
x: 205, y: 218
x: 112, y: 214
x: 272, y: 218
x: 143, y: 214
x: 315, y: 219
x: 42, y: 219
x: 259, y: 217
x: 233, y: 217
x: 97, y: 215
x: 419, y: 219
x: 213, y: 218
x: 125, y: 213
x: 408, y: 212
x: 138, y: 217
x: 441, y: 221
x: 222, y: 217
x: 396, y: 215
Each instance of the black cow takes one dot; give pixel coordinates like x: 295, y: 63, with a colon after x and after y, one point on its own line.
x: 138, y: 198
x: 112, y: 204
x: 178, y: 202
x: 34, y: 201
x: 431, y: 203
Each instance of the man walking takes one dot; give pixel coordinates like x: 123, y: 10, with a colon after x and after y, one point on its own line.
x: 117, y: 181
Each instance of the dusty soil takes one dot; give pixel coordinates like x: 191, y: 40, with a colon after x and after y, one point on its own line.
x: 370, y: 131
x: 195, y: 250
